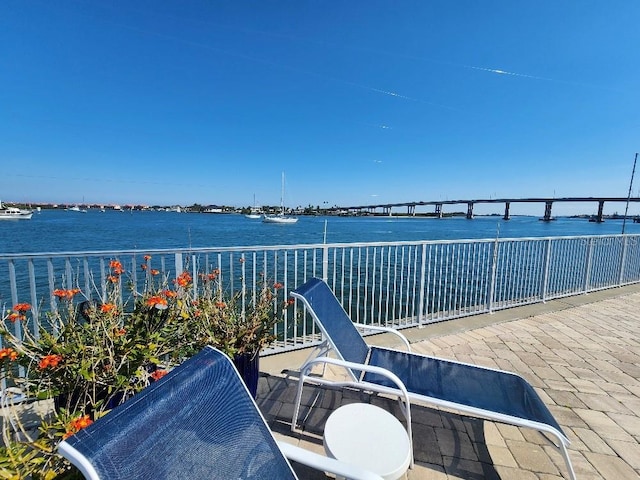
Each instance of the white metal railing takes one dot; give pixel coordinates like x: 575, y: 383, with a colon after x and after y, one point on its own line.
x: 399, y: 284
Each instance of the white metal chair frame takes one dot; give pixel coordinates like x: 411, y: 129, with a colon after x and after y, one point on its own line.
x: 401, y: 391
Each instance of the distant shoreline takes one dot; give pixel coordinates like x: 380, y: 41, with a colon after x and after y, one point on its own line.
x: 308, y: 211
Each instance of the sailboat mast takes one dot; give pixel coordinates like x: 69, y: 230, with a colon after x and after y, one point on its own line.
x: 282, y: 196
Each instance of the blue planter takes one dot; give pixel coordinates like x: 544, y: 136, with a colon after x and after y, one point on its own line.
x: 248, y: 366
x: 65, y: 400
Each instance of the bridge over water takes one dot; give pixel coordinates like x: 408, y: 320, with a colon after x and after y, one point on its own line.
x: 548, y: 204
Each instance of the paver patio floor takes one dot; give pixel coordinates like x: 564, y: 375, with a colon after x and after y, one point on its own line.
x: 582, y: 354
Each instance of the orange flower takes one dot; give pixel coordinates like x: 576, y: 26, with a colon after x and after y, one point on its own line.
x: 107, y: 307
x: 81, y: 422
x: 49, y: 361
x: 112, y: 279
x: 158, y: 374
x: 220, y: 304
x: 76, y: 425
x: 22, y: 307
x: 13, y: 316
x: 156, y: 301
x: 8, y: 353
x: 116, y: 266
x: 290, y: 301
x: 154, y: 271
x: 143, y: 266
x: 120, y: 332
x: 63, y: 294
x: 277, y: 285
x: 183, y: 279
x: 169, y: 293
x: 147, y: 258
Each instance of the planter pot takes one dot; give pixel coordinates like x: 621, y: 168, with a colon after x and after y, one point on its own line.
x: 64, y: 400
x: 248, y: 366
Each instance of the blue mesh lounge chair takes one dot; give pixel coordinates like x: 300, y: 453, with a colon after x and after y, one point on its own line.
x: 197, y: 422
x: 469, y: 389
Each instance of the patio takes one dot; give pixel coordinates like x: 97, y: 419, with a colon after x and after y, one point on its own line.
x: 581, y: 353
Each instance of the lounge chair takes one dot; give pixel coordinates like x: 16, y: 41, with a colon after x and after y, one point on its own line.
x: 197, y: 422
x: 469, y: 389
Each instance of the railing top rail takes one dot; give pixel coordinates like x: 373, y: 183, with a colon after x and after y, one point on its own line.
x: 247, y: 248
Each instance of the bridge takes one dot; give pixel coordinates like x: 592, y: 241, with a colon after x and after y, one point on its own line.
x: 548, y: 204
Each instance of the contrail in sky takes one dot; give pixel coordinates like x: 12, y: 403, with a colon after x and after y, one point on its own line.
x: 361, y: 49
x: 285, y: 66
x: 513, y: 74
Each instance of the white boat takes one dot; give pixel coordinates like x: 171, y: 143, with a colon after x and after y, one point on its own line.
x: 13, y: 213
x: 76, y: 209
x: 280, y: 217
x: 255, y: 211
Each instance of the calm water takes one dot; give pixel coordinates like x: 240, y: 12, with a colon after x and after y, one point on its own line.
x: 59, y: 230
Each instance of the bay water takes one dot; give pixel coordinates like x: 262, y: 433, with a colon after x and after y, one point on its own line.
x: 66, y: 231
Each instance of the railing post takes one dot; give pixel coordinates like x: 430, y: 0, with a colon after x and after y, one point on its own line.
x: 325, y: 263
x: 35, y: 309
x: 13, y: 286
x: 423, y: 271
x: 179, y: 265
x: 494, y: 266
x: 623, y: 259
x: 587, y: 273
x: 545, y: 276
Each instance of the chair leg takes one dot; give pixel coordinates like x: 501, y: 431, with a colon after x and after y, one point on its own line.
x: 296, y: 407
x: 567, y: 460
x: 319, y: 351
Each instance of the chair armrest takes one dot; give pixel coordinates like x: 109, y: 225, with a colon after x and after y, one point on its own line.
x: 306, y: 368
x: 324, y: 463
x: 404, y: 394
x: 386, y: 330
x: 78, y: 460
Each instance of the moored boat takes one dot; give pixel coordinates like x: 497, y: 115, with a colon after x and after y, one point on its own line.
x: 76, y: 208
x: 255, y: 212
x: 280, y: 217
x: 13, y: 213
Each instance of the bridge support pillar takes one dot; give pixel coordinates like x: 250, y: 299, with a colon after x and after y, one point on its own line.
x: 469, y: 210
x: 439, y: 210
x: 411, y: 210
x: 507, y: 205
x: 386, y: 211
x: 599, y: 217
x: 547, y: 211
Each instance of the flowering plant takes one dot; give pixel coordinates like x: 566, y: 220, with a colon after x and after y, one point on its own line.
x: 236, y: 323
x: 88, y: 356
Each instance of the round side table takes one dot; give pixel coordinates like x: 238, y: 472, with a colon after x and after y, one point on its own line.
x: 369, y: 437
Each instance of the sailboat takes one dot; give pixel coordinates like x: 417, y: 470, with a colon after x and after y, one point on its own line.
x: 280, y: 217
x: 255, y: 211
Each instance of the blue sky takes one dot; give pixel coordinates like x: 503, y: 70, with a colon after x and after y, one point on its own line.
x: 358, y: 102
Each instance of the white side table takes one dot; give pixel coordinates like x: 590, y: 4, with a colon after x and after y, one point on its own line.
x: 369, y: 437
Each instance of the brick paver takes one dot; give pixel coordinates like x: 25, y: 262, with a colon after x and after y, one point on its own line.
x: 584, y: 360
